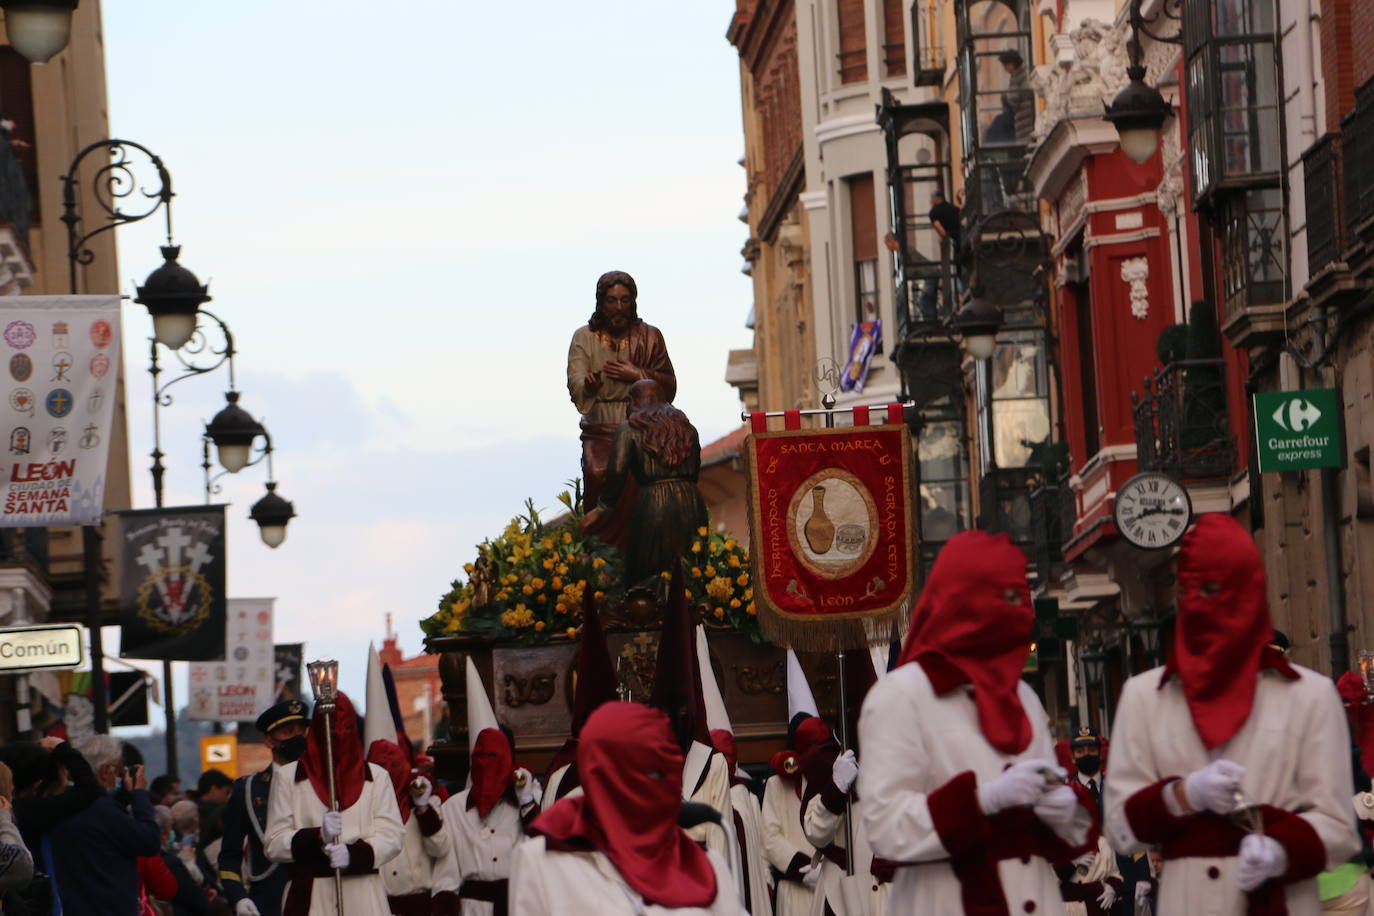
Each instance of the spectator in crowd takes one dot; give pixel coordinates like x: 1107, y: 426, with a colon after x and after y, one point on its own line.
x: 166, y: 790
x: 93, y: 855
x: 179, y: 888
x: 211, y: 794
x: 16, y: 865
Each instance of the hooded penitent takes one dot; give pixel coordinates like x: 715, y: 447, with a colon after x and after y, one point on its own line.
x: 389, y: 756
x: 350, y: 770
x: 973, y: 626
x: 1223, y: 630
x: 631, y: 771
x: 492, y: 763
x: 677, y: 679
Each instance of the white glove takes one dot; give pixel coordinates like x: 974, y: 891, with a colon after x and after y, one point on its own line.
x: 332, y: 826
x: 844, y: 771
x: 811, y: 875
x: 1107, y: 897
x: 338, y: 855
x: 246, y: 907
x: 1142, y: 891
x: 1214, y: 787
x: 421, y: 792
x: 1086, y: 859
x: 1019, y: 785
x: 529, y: 790
x: 1056, y: 808
x: 1261, y: 858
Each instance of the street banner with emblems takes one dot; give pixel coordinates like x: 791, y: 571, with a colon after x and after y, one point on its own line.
x: 61, y: 355
x: 171, y: 603
x: 239, y: 688
x: 831, y: 531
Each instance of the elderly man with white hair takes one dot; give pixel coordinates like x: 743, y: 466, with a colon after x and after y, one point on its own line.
x: 94, y: 854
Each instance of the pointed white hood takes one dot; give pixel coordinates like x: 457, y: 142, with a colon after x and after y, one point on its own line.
x: 716, y: 714
x: 480, y: 713
x: 799, y: 698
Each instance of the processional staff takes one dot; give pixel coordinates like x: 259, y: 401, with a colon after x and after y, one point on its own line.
x: 324, y: 683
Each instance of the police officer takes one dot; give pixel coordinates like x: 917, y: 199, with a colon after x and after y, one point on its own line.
x: 253, y: 884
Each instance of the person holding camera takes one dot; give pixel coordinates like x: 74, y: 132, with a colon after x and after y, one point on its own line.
x: 94, y: 855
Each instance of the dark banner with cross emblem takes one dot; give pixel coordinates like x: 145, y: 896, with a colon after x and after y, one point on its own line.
x: 172, y: 603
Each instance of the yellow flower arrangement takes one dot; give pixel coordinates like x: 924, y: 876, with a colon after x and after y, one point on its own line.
x: 718, y: 580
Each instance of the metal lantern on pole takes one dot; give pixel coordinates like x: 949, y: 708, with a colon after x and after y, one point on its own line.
x: 173, y: 296
x: 38, y: 29
x: 1367, y: 673
x: 978, y: 323
x: 233, y: 431
x: 324, y: 684
x: 272, y: 513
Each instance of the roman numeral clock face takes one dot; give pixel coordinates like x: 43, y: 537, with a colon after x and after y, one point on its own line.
x: 1152, y: 510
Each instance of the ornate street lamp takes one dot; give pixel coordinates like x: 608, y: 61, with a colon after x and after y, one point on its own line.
x: 978, y: 323
x: 272, y: 513
x: 1095, y: 666
x: 38, y: 29
x: 173, y: 296
x: 233, y: 431
x: 1138, y: 112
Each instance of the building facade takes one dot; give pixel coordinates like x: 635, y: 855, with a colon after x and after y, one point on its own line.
x: 51, y: 112
x: 1142, y: 304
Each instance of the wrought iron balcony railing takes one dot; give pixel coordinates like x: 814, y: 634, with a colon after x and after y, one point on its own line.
x: 1357, y: 143
x: 1325, y: 226
x: 1053, y: 513
x: 1182, y: 424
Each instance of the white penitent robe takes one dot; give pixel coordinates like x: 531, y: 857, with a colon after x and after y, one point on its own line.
x: 916, y: 742
x: 785, y: 844
x: 1295, y: 748
x: 846, y: 895
x: 545, y: 883
x: 706, y: 779
x: 479, y: 848
x: 753, y: 873
x: 373, y: 819
x: 412, y: 872
x: 555, y: 783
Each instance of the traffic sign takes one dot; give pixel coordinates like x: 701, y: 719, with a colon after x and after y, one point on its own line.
x: 34, y: 648
x: 1299, y: 430
x: 220, y: 752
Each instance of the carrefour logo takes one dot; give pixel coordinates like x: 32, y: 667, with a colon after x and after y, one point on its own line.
x: 1297, y: 415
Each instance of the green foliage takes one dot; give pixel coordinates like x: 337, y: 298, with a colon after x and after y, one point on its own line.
x: 1173, y: 344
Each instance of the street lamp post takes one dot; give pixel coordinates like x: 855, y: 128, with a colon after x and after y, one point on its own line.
x: 1138, y: 112
x: 173, y: 296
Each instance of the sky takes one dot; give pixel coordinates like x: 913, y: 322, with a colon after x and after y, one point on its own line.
x: 402, y: 211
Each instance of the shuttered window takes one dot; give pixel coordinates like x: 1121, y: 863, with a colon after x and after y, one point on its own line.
x: 894, y: 39
x: 853, y: 53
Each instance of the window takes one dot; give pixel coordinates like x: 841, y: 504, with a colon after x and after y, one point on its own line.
x: 944, y: 481
x: 864, y: 237
x: 1253, y: 253
x: 1016, y: 389
x: 926, y: 50
x: 1233, y: 97
x: 997, y: 103
x: 894, y: 44
x: 853, y: 45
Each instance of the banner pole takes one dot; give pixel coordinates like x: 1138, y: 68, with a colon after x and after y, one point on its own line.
x: 91, y: 560
x: 844, y: 746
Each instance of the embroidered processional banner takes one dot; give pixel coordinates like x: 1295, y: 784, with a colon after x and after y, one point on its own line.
x: 62, y: 357
x: 831, y: 531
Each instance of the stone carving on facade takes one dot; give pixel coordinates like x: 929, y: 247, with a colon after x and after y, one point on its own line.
x: 1093, y: 76
x: 1135, y: 271
x: 1169, y: 194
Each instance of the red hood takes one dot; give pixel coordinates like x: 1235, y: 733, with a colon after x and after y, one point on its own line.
x: 631, y: 771
x: 1223, y: 626
x: 966, y: 631
x: 389, y: 756
x: 350, y: 770
x: 492, y: 764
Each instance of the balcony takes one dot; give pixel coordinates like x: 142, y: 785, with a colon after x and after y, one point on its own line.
x: 1053, y: 513
x: 1357, y: 142
x: 1182, y: 425
x: 1321, y: 166
x: 25, y: 546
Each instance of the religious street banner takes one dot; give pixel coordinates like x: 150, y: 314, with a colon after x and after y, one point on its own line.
x: 62, y: 357
x: 243, y: 685
x: 171, y: 603
x: 831, y: 531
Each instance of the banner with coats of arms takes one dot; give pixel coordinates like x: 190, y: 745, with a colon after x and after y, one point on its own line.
x: 59, y: 357
x: 171, y: 603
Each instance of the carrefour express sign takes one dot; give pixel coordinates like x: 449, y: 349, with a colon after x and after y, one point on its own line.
x: 1298, y: 430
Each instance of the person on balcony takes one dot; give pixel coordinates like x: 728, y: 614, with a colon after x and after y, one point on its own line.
x: 1233, y: 760
x: 958, y: 784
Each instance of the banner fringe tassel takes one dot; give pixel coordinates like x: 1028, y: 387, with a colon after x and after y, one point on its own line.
x: 818, y: 634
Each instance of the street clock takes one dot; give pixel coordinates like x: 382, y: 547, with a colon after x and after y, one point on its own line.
x: 1152, y: 510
